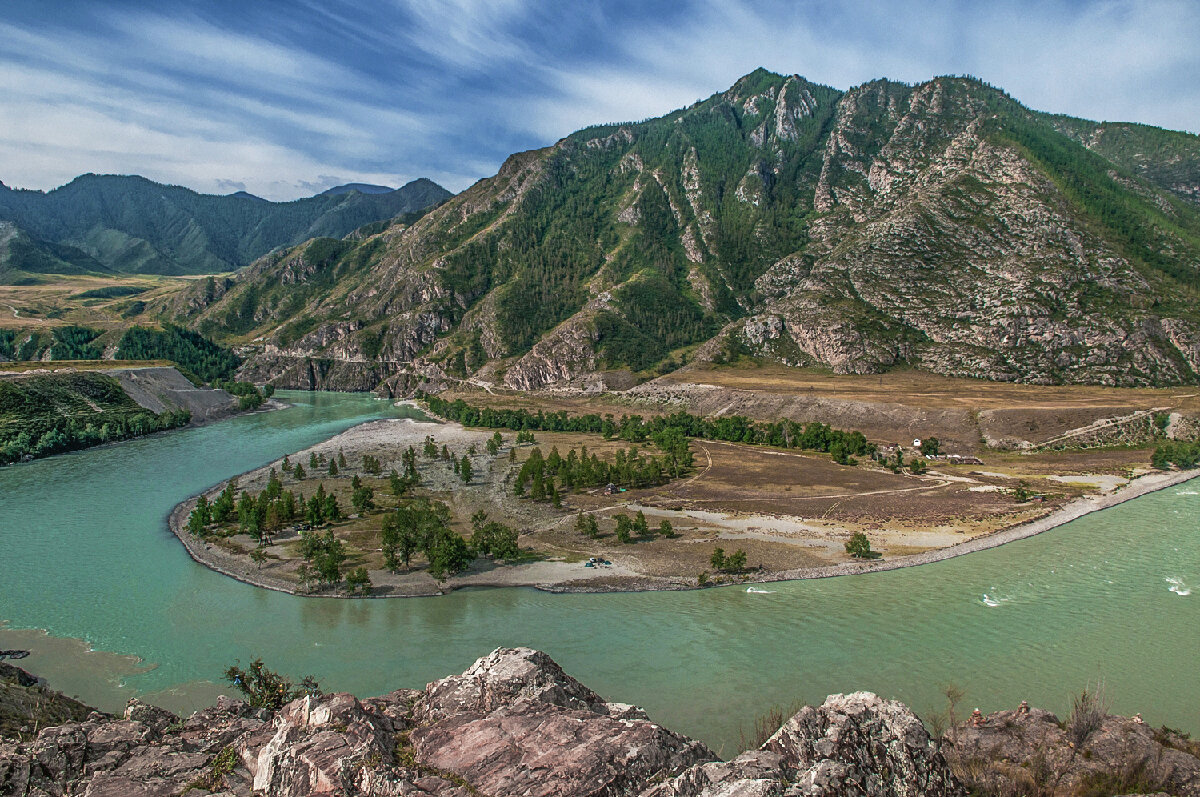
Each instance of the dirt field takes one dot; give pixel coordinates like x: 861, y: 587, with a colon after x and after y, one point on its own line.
x: 59, y: 303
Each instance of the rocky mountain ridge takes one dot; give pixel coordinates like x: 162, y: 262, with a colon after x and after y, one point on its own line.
x: 515, y: 723
x: 941, y: 225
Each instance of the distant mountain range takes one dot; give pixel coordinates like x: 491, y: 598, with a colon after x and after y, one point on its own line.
x: 131, y: 224
x: 942, y: 226
x: 362, y: 188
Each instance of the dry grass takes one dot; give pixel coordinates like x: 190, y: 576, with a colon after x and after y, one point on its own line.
x: 58, y: 303
x: 931, y: 390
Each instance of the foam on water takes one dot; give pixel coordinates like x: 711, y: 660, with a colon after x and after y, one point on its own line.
x: 992, y: 601
x: 1178, y: 587
x: 754, y: 591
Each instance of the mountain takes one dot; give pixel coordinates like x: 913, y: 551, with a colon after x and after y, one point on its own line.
x: 942, y: 226
x: 131, y: 224
x: 362, y: 188
x: 23, y: 258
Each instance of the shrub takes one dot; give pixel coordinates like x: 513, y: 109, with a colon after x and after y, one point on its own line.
x: 266, y: 689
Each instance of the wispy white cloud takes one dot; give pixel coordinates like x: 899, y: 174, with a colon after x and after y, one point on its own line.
x: 283, y: 99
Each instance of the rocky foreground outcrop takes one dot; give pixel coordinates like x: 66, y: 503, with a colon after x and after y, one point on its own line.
x: 515, y: 724
x: 1031, y: 751
x: 512, y: 724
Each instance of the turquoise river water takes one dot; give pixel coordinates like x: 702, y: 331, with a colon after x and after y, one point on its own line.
x: 85, y: 553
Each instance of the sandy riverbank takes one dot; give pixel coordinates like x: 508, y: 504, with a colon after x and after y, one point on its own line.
x: 570, y: 576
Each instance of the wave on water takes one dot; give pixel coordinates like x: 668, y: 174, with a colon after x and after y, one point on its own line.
x: 755, y: 591
x: 992, y: 601
x: 1178, y: 587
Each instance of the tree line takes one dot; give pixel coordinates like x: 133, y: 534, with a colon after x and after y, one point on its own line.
x: 785, y: 433
x: 540, y: 477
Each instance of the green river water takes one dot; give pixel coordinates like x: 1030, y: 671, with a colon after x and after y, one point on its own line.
x: 85, y: 553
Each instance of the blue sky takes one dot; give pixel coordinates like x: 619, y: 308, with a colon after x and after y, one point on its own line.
x: 284, y: 99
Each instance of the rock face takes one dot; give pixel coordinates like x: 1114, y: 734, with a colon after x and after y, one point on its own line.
x: 1028, y: 751
x: 852, y: 744
x: 942, y: 226
x: 512, y: 724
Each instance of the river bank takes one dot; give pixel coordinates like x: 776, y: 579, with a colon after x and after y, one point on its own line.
x: 1100, y: 597
x: 628, y: 571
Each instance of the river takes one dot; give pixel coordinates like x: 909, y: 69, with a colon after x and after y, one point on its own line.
x: 85, y: 554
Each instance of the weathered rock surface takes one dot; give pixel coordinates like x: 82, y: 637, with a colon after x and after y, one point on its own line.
x: 1029, y: 751
x: 852, y: 744
x: 513, y: 724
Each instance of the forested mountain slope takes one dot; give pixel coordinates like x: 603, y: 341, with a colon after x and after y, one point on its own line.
x: 22, y: 257
x: 942, y: 225
x: 131, y: 224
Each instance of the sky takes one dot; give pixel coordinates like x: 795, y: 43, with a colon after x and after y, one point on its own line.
x: 285, y: 99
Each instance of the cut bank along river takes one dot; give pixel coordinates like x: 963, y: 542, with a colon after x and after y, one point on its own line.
x: 85, y: 553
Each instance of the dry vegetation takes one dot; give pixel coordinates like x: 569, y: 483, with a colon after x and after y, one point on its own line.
x: 60, y: 303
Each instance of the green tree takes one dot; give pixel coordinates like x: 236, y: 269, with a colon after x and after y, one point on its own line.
x: 363, y: 499
x: 196, y: 524
x: 266, y: 689
x: 313, y: 462
x: 931, y: 447
x: 400, y: 540
x: 358, y: 580
x: 430, y: 450
x: 258, y: 556
x: 587, y: 526
x: 624, y: 529
x: 674, y: 445
x: 640, y: 526
x: 448, y: 555
x: 736, y: 561
x: 298, y: 472
x: 859, y: 546
x: 328, y: 561
x: 224, y: 506
x: 464, y: 470
x: 341, y: 460
x: 717, y: 560
x: 274, y: 486
x: 665, y: 529
x: 333, y: 467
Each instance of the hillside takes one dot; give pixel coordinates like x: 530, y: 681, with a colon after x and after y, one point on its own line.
x: 45, y: 412
x: 942, y: 226
x: 24, y: 258
x: 131, y: 224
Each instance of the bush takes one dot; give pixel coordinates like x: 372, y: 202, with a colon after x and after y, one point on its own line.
x: 1088, y: 710
x: 266, y: 689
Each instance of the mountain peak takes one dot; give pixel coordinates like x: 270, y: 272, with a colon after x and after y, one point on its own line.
x: 362, y: 188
